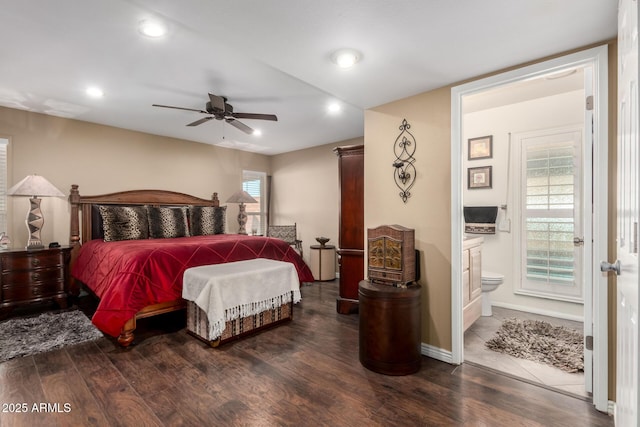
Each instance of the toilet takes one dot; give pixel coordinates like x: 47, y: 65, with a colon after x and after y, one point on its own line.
x: 490, y: 282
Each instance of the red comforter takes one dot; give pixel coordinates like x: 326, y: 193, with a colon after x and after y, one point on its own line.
x: 130, y: 275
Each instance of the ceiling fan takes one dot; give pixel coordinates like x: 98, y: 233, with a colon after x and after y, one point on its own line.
x: 218, y: 109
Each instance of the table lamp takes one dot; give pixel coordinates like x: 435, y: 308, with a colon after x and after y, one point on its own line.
x: 34, y: 186
x: 241, y: 197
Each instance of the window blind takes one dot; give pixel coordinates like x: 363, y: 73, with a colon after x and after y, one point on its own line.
x: 254, y: 183
x: 550, y: 195
x: 3, y: 184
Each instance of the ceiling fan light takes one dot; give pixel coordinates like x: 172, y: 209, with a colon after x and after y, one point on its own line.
x: 346, y: 58
x: 151, y: 28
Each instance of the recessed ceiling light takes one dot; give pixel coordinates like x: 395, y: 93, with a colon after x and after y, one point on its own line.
x: 346, y: 58
x: 152, y: 28
x: 257, y: 132
x: 334, y: 108
x: 95, y: 92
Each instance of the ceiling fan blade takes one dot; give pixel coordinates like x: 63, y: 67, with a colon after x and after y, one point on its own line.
x: 202, y: 120
x: 239, y: 125
x: 179, y: 108
x: 217, y: 102
x: 271, y: 117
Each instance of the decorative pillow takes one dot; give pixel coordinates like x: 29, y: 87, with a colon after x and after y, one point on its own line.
x: 167, y: 222
x: 124, y: 222
x: 206, y: 220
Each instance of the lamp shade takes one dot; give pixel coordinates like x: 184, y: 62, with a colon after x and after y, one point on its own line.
x: 241, y: 197
x: 35, y: 186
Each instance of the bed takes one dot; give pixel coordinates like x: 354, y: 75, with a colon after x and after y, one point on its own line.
x: 137, y: 275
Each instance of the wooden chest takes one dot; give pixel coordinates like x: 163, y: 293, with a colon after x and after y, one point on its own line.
x: 391, y: 255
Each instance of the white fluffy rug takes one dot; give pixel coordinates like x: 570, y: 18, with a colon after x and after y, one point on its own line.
x: 48, y: 331
x: 540, y: 341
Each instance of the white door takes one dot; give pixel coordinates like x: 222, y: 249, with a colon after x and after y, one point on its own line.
x: 627, y: 401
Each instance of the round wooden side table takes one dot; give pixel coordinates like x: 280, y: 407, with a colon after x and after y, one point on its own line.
x: 390, y: 328
x: 323, y: 262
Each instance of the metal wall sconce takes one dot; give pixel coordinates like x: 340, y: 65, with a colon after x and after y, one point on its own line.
x: 404, y: 173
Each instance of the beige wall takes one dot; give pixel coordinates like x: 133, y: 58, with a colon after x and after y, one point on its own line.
x: 305, y: 191
x: 103, y: 159
x: 428, y: 210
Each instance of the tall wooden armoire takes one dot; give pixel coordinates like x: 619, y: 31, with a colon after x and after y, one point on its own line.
x: 351, y: 229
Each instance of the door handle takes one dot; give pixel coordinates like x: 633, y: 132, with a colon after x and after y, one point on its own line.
x: 605, y: 266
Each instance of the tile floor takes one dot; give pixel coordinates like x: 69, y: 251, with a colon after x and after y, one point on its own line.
x: 484, y: 329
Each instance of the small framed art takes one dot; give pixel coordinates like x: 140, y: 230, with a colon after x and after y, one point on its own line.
x: 480, y: 148
x: 479, y: 177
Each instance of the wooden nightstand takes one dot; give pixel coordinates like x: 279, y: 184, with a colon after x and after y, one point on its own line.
x: 33, y: 276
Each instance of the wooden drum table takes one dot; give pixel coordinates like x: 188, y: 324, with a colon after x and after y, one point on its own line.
x: 390, y: 328
x: 323, y: 262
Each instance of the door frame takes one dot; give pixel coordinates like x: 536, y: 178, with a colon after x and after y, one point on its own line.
x: 597, y: 58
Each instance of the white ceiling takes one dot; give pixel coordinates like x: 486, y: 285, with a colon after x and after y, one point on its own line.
x: 269, y: 57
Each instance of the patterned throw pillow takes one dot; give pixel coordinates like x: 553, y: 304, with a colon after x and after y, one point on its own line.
x: 124, y: 222
x: 207, y: 220
x: 167, y: 222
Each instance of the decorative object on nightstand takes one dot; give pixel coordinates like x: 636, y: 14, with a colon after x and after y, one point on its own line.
x: 5, y: 242
x: 404, y: 147
x: 241, y: 197
x: 34, y: 186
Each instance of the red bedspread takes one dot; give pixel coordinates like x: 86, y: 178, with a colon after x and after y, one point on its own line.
x: 130, y: 275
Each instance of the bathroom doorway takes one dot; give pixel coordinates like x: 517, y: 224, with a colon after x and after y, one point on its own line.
x: 536, y: 278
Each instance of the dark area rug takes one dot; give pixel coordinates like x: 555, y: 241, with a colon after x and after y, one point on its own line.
x: 541, y: 342
x: 27, y: 336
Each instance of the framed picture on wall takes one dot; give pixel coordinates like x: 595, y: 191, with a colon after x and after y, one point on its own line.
x: 479, y: 177
x: 480, y: 148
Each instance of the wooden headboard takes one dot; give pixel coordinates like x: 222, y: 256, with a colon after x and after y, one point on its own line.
x: 82, y: 207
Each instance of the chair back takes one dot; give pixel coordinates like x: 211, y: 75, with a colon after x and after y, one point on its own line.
x: 288, y: 233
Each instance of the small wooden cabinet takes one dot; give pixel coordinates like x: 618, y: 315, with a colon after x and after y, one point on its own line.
x: 471, y: 280
x: 33, y: 276
x: 392, y: 256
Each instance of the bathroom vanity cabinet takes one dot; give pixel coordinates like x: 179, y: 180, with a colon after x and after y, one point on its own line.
x: 471, y: 280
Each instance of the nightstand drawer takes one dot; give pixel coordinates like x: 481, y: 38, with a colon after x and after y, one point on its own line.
x: 30, y: 261
x: 35, y: 277
x: 24, y: 293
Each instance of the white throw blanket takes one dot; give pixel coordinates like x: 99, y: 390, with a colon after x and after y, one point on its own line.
x: 238, y: 289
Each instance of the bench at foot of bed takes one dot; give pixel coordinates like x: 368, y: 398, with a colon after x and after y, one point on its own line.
x: 198, y: 323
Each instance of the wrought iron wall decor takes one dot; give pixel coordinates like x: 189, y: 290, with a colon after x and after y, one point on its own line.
x: 404, y: 173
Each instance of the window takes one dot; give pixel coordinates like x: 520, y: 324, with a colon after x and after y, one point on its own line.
x: 254, y: 183
x: 3, y: 184
x: 551, y: 212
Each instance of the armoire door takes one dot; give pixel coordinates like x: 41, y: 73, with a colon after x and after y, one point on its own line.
x: 351, y: 228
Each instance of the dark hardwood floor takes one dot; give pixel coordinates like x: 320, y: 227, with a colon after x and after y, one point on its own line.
x: 303, y: 373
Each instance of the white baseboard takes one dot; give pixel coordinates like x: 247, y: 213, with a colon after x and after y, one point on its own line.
x: 538, y: 311
x: 611, y: 409
x: 436, y: 353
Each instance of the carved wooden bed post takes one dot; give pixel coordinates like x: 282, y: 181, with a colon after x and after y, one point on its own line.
x: 74, y: 234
